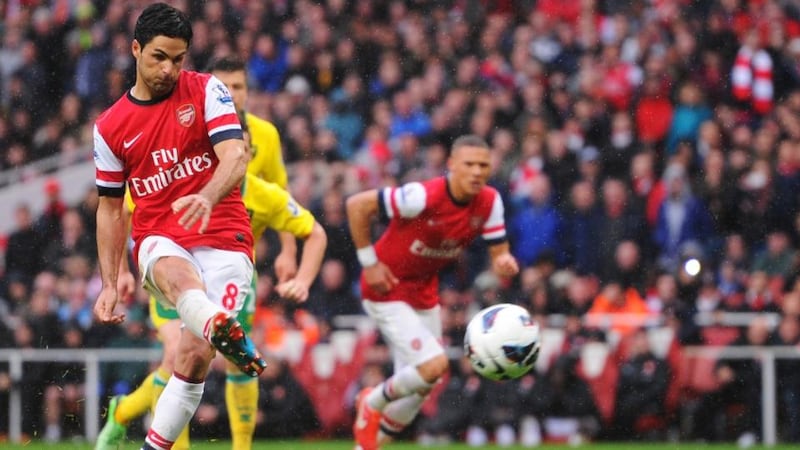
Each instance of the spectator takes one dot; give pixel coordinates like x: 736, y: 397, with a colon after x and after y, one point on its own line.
x: 682, y: 222
x: 779, y: 259
x: 690, y: 112
x: 64, y: 398
x: 581, y: 221
x: 74, y: 241
x: 641, y: 391
x: 285, y: 410
x: 557, y: 406
x: 23, y: 253
x: 534, y: 228
x: 618, y: 307
x: 49, y: 223
x: 739, y: 392
x: 788, y: 378
x: 455, y: 405
x: 332, y: 295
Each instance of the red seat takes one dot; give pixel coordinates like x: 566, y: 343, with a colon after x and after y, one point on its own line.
x: 719, y: 335
x: 597, y: 366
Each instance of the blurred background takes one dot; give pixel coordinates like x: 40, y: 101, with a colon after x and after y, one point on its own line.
x: 648, y: 153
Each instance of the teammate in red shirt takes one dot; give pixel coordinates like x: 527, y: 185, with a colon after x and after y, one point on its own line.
x: 429, y: 224
x: 176, y: 141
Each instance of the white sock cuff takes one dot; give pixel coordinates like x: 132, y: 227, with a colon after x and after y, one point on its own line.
x: 179, y: 384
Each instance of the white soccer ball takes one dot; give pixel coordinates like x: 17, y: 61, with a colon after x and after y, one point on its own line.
x: 502, y: 342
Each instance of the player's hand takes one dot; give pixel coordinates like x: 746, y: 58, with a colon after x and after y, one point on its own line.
x: 126, y: 285
x: 285, y: 266
x: 505, y: 265
x: 195, y: 207
x: 293, y: 290
x: 104, y: 306
x: 379, y: 278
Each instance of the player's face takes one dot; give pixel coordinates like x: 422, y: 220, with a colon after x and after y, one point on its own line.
x: 469, y: 169
x: 159, y: 63
x: 236, y: 82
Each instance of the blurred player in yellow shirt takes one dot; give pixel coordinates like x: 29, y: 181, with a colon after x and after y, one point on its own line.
x: 269, y: 206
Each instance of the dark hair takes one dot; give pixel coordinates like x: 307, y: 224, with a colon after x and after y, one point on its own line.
x: 160, y: 19
x: 230, y: 63
x: 468, y: 140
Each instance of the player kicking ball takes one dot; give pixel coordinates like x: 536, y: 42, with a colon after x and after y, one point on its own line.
x: 175, y: 140
x: 241, y: 392
x: 269, y: 206
x: 429, y: 225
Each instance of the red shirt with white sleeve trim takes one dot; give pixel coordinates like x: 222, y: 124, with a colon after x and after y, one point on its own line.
x: 427, y: 231
x: 164, y: 149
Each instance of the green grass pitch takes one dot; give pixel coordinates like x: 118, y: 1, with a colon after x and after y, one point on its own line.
x: 346, y: 445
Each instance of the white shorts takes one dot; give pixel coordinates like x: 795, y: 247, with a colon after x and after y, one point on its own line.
x: 227, y: 275
x: 414, y: 335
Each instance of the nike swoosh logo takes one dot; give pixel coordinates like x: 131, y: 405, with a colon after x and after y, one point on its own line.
x: 127, y: 144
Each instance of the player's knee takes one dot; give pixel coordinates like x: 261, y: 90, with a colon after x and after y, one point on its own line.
x: 434, y: 368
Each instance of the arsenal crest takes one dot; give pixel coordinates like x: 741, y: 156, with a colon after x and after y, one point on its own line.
x: 186, y: 115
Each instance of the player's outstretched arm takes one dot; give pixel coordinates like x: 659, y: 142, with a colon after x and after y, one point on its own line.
x: 361, y: 209
x: 310, y: 262
x: 233, y: 158
x: 503, y: 263
x: 126, y: 282
x: 111, y: 233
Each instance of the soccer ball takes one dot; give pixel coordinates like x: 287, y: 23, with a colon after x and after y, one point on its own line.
x: 502, y: 342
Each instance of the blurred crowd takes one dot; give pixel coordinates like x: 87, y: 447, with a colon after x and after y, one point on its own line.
x: 648, y: 152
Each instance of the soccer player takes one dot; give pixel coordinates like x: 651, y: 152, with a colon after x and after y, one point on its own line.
x: 429, y: 225
x: 265, y: 148
x: 241, y: 394
x: 176, y: 141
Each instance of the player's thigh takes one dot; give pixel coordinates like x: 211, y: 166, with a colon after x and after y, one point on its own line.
x: 412, y: 334
x: 228, y: 276
x: 166, y: 268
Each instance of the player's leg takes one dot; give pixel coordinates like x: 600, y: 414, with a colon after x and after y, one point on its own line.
x: 169, y: 332
x: 143, y: 398
x: 123, y: 409
x: 419, y: 363
x: 173, y: 276
x: 182, y: 394
x: 241, y: 390
x: 399, y: 413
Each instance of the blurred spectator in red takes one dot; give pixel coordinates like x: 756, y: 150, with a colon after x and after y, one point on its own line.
x: 49, y: 223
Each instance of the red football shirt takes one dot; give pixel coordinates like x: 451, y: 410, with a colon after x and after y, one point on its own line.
x: 427, y: 231
x: 163, y: 150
